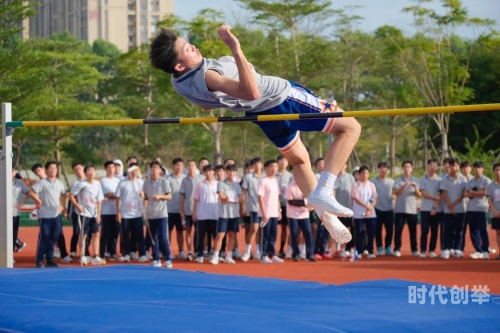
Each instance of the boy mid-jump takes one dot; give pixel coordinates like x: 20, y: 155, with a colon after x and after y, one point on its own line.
x: 232, y: 83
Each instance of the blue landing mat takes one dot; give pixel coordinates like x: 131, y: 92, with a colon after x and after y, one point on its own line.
x: 142, y: 299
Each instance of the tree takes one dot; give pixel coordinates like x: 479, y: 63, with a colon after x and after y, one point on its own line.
x: 11, y: 13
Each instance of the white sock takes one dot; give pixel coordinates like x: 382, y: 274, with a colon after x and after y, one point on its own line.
x: 325, y: 184
x: 229, y: 255
x: 302, y: 247
x: 257, y: 248
x: 216, y: 254
x: 249, y: 249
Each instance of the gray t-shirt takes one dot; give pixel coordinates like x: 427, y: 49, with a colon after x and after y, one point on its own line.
x: 130, y: 200
x: 192, y: 85
x: 18, y: 189
x: 454, y: 188
x: 478, y: 204
x: 188, y: 185
x: 231, y: 209
x: 431, y: 187
x: 493, y: 192
x: 406, y: 201
x: 251, y: 184
x: 50, y: 193
x: 384, y: 192
x: 174, y: 205
x: 109, y: 186
x: 283, y: 181
x: 156, y: 209
x: 343, y: 187
x: 88, y: 196
x: 75, y: 183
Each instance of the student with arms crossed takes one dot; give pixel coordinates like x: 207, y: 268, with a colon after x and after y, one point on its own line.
x: 232, y: 83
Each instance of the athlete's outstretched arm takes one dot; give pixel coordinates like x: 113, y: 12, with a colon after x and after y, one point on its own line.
x: 246, y: 88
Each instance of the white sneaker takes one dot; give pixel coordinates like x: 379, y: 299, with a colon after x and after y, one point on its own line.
x: 183, y: 255
x: 397, y: 253
x: 486, y: 255
x: 72, y: 254
x: 277, y: 260
x: 221, y: 259
x: 97, y: 261
x: 328, y: 203
x: 237, y: 254
x: 84, y: 261
x: 289, y: 252
x: 452, y: 252
x: 432, y: 254
x: 66, y: 260
x: 365, y: 252
x: 445, y: 254
x: 371, y: 256
x: 89, y: 259
x: 199, y: 260
x: 302, y: 255
x: 126, y: 258
x: 149, y: 256
x: 335, y: 228
x: 257, y: 256
x: 245, y: 257
x: 416, y: 253
x: 57, y: 253
x: 230, y: 261
x: 476, y: 255
x: 134, y: 255
x: 168, y: 264
x: 143, y: 259
x: 423, y: 255
x: 459, y: 254
x: 214, y: 260
x: 155, y: 263
x: 266, y: 260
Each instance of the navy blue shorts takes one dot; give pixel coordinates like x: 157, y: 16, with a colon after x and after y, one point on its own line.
x: 228, y: 225
x: 189, y: 221
x: 300, y: 100
x: 89, y: 223
x: 255, y: 218
x: 175, y: 220
x: 495, y: 224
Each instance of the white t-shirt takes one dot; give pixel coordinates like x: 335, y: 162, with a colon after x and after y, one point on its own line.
x: 208, y: 200
x: 109, y: 186
x: 366, y: 193
x: 88, y: 196
x: 131, y: 203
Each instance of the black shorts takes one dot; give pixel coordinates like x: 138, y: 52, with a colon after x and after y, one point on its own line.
x: 175, y: 220
x: 247, y: 220
x: 495, y: 224
x: 189, y: 221
x: 346, y: 221
x: 90, y: 224
x: 284, y: 219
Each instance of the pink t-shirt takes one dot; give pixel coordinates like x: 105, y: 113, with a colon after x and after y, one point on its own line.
x: 208, y: 200
x: 295, y: 212
x: 270, y: 191
x: 364, y: 192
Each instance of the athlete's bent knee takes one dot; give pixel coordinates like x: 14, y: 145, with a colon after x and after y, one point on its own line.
x: 347, y: 126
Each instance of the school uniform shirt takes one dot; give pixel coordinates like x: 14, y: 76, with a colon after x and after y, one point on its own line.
x: 49, y: 191
x: 156, y: 209
x: 231, y: 209
x: 174, y: 205
x: 431, y: 187
x: 406, y: 201
x: 478, y: 204
x: 188, y: 185
x: 19, y: 189
x: 270, y: 191
x: 251, y: 184
x: 208, y: 200
x: 366, y: 192
x: 88, y: 195
x: 384, y: 191
x: 493, y: 192
x: 454, y: 189
x: 343, y: 187
x: 109, y: 185
x: 130, y: 200
x: 293, y: 192
x: 283, y: 181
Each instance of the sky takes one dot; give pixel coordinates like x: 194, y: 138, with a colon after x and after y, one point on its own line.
x: 375, y: 12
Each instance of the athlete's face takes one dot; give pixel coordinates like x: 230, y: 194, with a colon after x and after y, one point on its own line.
x: 188, y: 55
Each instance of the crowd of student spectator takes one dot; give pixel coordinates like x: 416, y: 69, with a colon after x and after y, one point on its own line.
x: 130, y: 215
